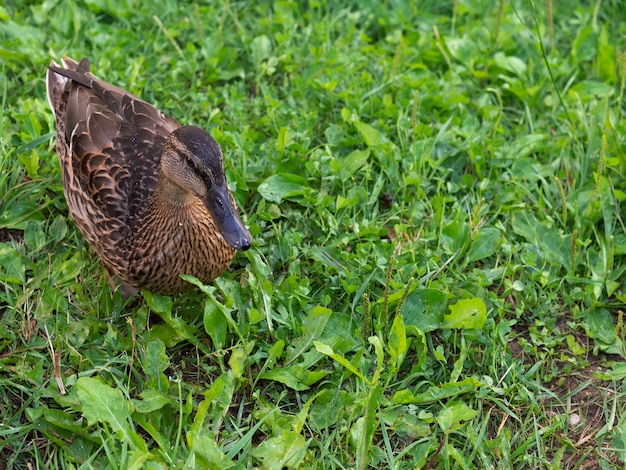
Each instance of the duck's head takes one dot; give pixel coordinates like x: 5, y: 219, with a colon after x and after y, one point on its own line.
x: 192, y: 160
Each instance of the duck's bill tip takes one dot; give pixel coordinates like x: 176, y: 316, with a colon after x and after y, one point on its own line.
x: 235, y: 233
x: 244, y: 244
x: 227, y: 219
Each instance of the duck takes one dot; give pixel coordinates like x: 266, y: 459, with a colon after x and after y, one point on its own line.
x: 148, y: 195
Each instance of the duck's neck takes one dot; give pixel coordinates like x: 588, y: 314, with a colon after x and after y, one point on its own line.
x: 170, y: 194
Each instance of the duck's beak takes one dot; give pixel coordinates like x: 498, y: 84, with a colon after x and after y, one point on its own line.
x: 226, y: 216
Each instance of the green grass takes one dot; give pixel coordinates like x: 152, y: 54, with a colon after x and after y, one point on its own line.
x: 436, y: 193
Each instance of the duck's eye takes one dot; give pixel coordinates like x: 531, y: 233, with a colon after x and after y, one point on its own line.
x: 191, y: 163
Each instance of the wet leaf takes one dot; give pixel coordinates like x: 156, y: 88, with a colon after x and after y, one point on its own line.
x: 283, y: 186
x: 465, y: 314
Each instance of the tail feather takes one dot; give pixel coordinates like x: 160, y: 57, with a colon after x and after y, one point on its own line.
x: 54, y: 85
x: 57, y: 78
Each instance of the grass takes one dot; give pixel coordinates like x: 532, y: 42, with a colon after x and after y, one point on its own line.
x: 436, y: 192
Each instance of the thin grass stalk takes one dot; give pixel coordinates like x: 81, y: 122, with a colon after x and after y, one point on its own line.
x: 496, y: 29
x: 196, y: 14
x: 550, y: 23
x: 440, y: 45
x: 405, y: 294
x: 622, y: 69
x: 416, y: 97
x: 396, y: 60
x: 544, y: 55
x: 574, y: 250
x: 385, y: 320
x: 559, y: 184
x: 601, y: 164
x: 367, y: 318
x: 455, y: 6
x: 168, y: 35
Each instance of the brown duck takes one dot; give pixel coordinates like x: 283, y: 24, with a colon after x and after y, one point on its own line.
x: 148, y: 195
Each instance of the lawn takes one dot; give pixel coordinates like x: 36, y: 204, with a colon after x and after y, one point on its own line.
x: 436, y: 195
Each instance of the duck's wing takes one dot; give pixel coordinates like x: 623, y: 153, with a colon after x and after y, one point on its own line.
x: 113, y: 140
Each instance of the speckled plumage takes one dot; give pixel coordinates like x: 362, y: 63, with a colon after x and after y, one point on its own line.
x: 149, y: 196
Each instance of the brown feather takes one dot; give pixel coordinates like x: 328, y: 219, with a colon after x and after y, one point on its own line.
x: 147, y: 229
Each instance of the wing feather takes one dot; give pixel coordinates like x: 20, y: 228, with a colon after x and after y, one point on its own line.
x: 114, y: 139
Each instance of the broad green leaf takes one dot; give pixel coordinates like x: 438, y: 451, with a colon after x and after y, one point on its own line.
x: 206, y: 448
x: 151, y: 400
x: 600, y: 326
x: 58, y: 428
x: 137, y: 459
x: 466, y: 314
x: 380, y: 357
x: 276, y: 351
x: 330, y: 407
x: 180, y: 329
x: 313, y: 326
x: 237, y: 361
x: 553, y: 245
x: 574, y: 347
x: 425, y: 308
x: 455, y: 235
x: 438, y: 392
x: 163, y: 332
x: 502, y: 442
x: 617, y: 372
x: 34, y: 236
x: 261, y: 48
x: 18, y: 214
x: 328, y: 351
x: 284, y: 451
x: 606, y: 66
x: 294, y: 376
x: 349, y: 164
x: 484, y: 244
x: 589, y: 89
x: 526, y: 145
x: 418, y: 343
x: 67, y: 270
x: 362, y: 432
x: 58, y: 229
x: 404, y: 421
x: 602, y: 265
x: 101, y: 403
x: 219, y: 397
x: 454, y: 416
x: 618, y: 439
x: 12, y: 268
x: 397, y: 343
x: 584, y: 46
x: 511, y: 64
x: 607, y: 202
x: 209, y: 291
x: 159, y: 304
x: 403, y: 396
x: 155, y: 362
x: 528, y: 169
x: 222, y: 390
x: 284, y: 375
x: 301, y: 417
x: 285, y: 137
x: 215, y: 324
x: 283, y: 186
x: 372, y: 136
x: 62, y: 419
